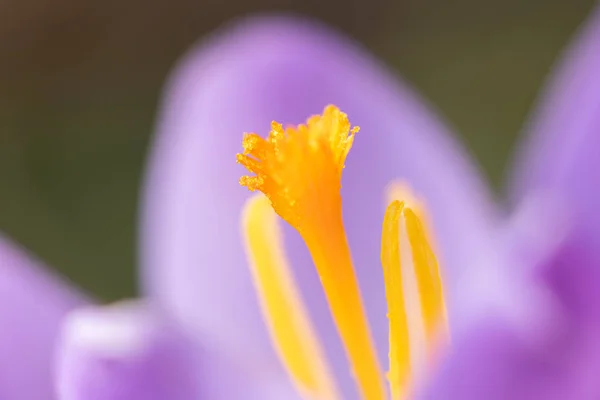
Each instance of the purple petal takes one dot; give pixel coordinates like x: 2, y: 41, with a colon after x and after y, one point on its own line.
x: 494, y: 363
x: 286, y: 69
x: 128, y: 351
x: 557, y: 172
x: 32, y: 304
x: 560, y: 162
x: 561, y: 156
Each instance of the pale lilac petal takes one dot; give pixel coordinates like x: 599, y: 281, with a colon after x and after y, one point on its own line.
x: 561, y: 155
x: 560, y: 162
x: 128, y: 351
x: 557, y: 172
x: 494, y: 363
x: 32, y: 304
x: 286, y: 69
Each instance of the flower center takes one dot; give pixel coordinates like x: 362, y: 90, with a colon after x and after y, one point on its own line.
x: 299, y: 170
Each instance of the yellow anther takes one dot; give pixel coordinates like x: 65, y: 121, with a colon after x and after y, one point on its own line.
x: 429, y: 281
x: 427, y: 277
x: 399, y: 345
x: 289, y: 325
x: 299, y: 169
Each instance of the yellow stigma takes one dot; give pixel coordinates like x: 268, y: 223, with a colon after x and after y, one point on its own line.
x: 299, y: 169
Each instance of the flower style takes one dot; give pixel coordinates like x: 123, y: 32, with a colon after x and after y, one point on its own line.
x: 299, y: 169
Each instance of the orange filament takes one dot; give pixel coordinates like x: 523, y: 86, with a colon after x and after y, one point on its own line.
x: 299, y: 169
x: 290, y: 328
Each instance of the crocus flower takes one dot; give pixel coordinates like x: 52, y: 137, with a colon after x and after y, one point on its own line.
x: 505, y: 317
x: 193, y: 250
x: 521, y: 310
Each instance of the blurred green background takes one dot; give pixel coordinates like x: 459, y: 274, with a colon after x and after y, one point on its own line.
x: 79, y: 86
